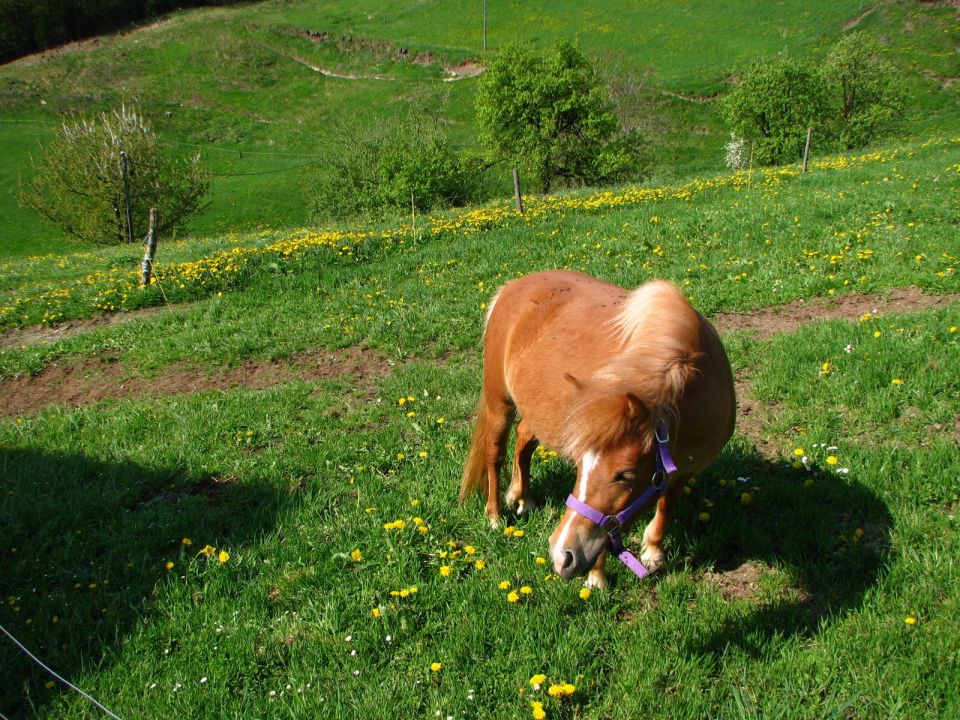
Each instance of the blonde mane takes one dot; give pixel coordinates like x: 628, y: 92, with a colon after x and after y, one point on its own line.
x: 659, y: 337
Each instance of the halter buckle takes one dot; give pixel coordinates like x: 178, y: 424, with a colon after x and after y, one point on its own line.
x: 610, y: 524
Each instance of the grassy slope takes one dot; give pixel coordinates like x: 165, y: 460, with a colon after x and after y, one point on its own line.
x: 228, y: 80
x: 291, y: 480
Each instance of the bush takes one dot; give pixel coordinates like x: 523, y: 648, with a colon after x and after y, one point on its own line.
x: 371, y: 168
x: 79, y: 184
x: 864, y: 93
x: 773, y: 106
x: 551, y: 116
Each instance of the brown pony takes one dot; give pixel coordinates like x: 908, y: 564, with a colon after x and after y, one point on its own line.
x: 593, y: 371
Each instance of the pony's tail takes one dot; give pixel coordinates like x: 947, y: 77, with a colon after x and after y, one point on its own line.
x: 474, y: 469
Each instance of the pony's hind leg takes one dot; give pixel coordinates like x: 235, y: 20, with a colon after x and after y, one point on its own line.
x: 652, y: 555
x: 519, y: 491
x: 500, y: 415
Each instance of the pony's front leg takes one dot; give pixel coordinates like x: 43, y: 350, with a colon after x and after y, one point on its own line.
x: 652, y: 555
x: 597, y: 577
x: 519, y: 491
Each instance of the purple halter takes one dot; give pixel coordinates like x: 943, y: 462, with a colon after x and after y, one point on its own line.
x: 612, y: 523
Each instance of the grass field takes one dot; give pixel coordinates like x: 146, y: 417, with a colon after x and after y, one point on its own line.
x: 233, y: 493
x: 235, y: 83
x: 832, y: 591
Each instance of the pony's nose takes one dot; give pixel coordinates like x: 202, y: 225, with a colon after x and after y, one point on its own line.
x: 567, y: 561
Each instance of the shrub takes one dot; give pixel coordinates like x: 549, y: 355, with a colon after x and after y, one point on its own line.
x: 551, y: 116
x: 864, y: 93
x: 79, y: 185
x: 773, y: 106
x: 370, y: 168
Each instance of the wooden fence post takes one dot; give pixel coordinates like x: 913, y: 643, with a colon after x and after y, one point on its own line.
x: 146, y: 265
x: 125, y: 172
x: 516, y: 191
x: 806, y: 150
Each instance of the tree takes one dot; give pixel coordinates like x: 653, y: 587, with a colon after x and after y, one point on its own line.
x: 774, y: 104
x: 79, y: 185
x: 865, y: 97
x: 550, y: 115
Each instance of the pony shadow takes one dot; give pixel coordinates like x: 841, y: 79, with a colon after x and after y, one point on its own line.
x: 806, y: 547
x: 86, y: 545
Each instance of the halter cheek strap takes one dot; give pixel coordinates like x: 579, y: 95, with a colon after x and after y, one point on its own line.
x: 613, y: 523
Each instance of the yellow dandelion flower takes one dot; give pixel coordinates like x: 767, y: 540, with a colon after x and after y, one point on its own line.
x: 562, y: 690
x: 223, y: 556
x: 469, y: 549
x: 445, y: 570
x: 896, y: 381
x: 513, y: 596
x: 703, y: 517
x: 168, y: 565
x: 479, y: 564
x: 526, y: 590
x: 504, y: 584
x: 910, y: 620
x: 186, y: 542
x: 746, y: 498
x: 537, y: 680
x: 799, y: 452
x: 585, y: 593
x: 509, y: 530
x: 356, y: 555
x: 375, y: 613
x: 541, y: 560
x: 518, y: 533
x: 208, y: 550
x: 832, y: 460
x: 436, y: 667
x: 537, y: 710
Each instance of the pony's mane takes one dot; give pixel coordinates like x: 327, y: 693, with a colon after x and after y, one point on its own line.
x: 659, y: 338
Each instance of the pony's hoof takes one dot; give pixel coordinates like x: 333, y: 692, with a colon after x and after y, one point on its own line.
x: 494, y: 523
x: 652, y: 559
x: 525, y: 506
x: 597, y: 580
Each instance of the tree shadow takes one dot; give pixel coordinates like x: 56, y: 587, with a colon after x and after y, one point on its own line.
x: 807, y: 545
x: 86, y: 548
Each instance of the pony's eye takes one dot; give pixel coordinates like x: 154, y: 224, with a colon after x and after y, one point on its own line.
x: 627, y: 476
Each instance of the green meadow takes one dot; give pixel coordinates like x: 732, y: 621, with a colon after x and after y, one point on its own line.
x: 233, y: 493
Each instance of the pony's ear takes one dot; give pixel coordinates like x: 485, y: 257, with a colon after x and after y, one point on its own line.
x: 573, y: 381
x: 636, y: 410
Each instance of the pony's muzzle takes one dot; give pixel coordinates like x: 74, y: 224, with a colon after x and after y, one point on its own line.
x: 575, y: 546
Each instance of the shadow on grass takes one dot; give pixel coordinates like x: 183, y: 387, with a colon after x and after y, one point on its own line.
x: 86, y: 543
x: 826, y: 532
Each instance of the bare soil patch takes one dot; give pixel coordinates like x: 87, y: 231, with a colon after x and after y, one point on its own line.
x: 97, y: 379
x: 788, y: 318
x: 468, y: 69
x: 741, y: 582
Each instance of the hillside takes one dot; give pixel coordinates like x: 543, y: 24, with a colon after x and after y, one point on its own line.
x: 258, y: 87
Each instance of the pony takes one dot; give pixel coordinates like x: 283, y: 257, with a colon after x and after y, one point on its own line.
x: 619, y: 382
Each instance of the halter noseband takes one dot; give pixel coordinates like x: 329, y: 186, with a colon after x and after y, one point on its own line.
x: 613, y: 523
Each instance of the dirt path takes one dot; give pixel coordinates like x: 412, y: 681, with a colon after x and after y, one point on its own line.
x: 787, y: 318
x: 94, y: 379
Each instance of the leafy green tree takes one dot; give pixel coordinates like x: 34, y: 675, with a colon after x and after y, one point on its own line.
x: 549, y: 114
x: 78, y: 183
x: 865, y: 97
x: 774, y: 104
